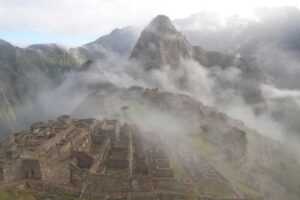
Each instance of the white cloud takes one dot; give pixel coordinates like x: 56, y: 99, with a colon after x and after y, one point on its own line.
x: 90, y: 17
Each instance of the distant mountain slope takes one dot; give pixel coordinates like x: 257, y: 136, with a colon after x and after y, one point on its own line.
x: 119, y: 42
x: 26, y: 71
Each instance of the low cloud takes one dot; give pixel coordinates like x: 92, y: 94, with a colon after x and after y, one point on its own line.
x: 70, y: 18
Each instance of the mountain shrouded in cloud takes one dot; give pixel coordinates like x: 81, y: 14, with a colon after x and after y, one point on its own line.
x: 161, y: 44
x: 25, y: 73
x: 166, y: 86
x: 160, y: 47
x: 119, y: 42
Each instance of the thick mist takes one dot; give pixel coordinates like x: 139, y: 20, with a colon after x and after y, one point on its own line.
x: 271, y: 39
x: 215, y: 87
x: 187, y: 106
x: 271, y: 43
x: 272, y: 46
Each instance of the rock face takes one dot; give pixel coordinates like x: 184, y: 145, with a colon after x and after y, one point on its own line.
x: 212, y: 58
x: 161, y: 44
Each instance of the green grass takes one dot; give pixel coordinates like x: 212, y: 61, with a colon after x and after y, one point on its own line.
x: 58, y: 196
x: 248, y: 192
x: 24, y: 194
x: 16, y: 195
x: 7, y: 113
x: 179, y: 172
x: 204, y: 146
x: 219, y: 191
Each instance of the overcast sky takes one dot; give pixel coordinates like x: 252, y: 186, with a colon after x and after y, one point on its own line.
x: 74, y: 22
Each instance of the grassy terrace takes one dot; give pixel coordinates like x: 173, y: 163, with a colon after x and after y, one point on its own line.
x: 22, y: 194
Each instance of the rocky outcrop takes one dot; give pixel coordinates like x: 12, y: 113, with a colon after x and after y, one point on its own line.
x: 212, y: 58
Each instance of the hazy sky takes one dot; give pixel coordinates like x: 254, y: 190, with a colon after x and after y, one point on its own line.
x: 73, y: 22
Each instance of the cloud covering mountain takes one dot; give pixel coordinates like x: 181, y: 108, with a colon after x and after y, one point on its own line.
x: 194, y: 84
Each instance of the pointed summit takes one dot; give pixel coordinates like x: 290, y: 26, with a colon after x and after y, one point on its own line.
x: 161, y: 24
x: 4, y: 43
x: 161, y: 44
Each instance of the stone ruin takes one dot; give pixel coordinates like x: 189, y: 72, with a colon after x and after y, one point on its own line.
x: 100, y: 159
x: 132, y: 167
x: 150, y: 92
x: 107, y: 128
x: 66, y: 119
x: 82, y: 160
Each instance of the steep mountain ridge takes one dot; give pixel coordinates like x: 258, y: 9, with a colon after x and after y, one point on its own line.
x: 119, y: 42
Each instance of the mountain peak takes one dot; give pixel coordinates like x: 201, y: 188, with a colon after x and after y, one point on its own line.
x: 161, y: 44
x: 161, y: 24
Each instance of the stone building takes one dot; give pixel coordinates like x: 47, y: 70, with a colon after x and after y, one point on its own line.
x: 104, y: 129
x: 29, y: 169
x: 65, y: 119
